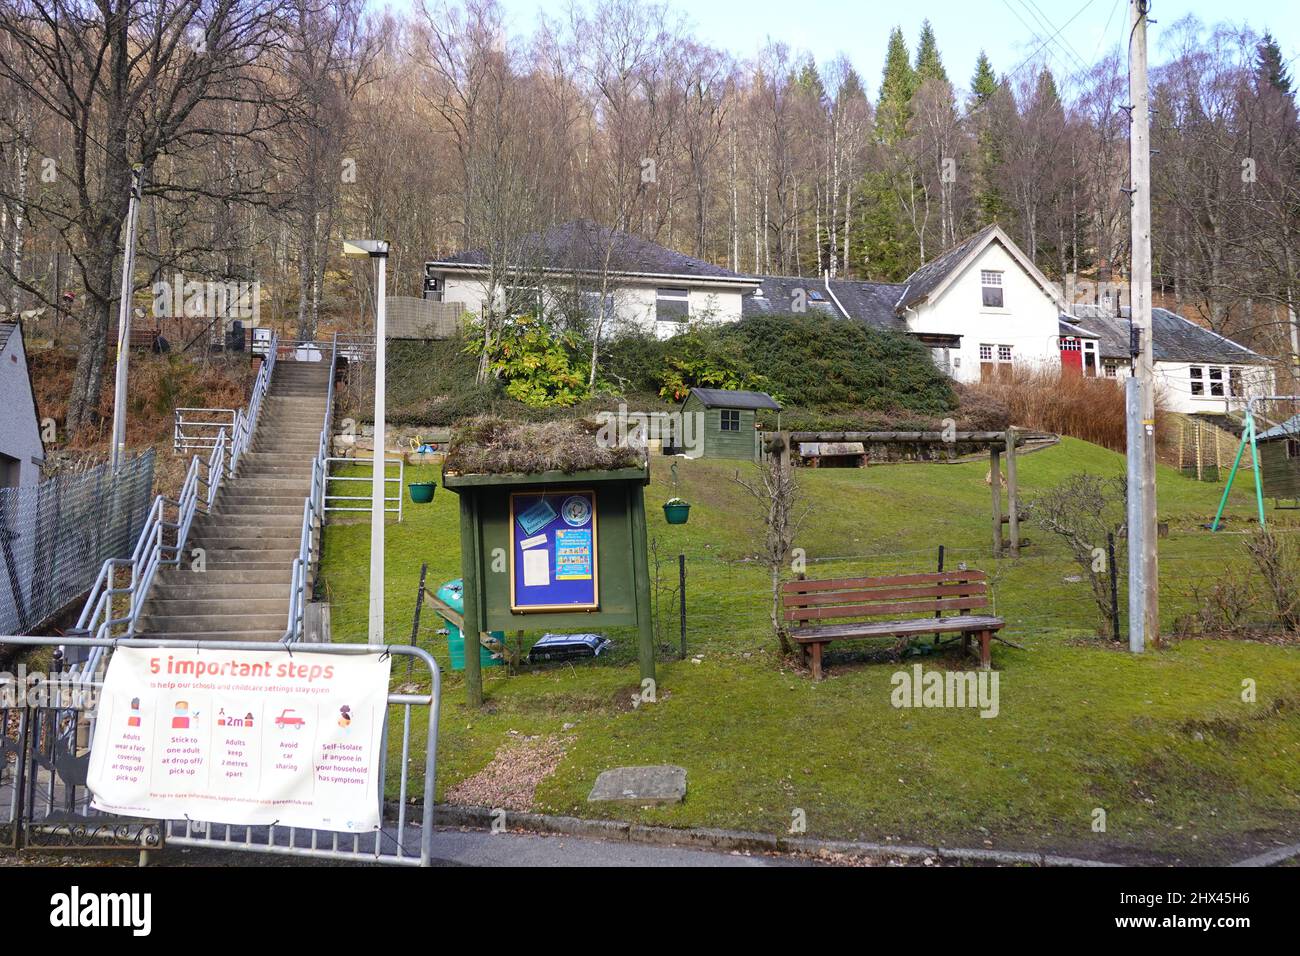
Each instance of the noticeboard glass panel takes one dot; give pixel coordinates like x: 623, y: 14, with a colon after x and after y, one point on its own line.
x: 554, y: 551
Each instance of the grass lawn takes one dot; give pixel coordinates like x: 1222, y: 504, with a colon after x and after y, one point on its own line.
x: 1183, y: 768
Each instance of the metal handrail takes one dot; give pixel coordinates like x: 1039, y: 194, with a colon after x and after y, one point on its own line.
x: 101, y: 617
x: 313, y: 506
x: 191, y: 427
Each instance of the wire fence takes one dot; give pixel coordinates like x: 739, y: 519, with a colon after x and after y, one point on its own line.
x: 56, y: 535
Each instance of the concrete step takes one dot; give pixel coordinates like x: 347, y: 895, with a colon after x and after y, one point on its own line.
x: 262, y: 546
x: 271, y: 517
x: 232, y: 606
x: 266, y: 636
x: 227, y: 575
x: 255, y: 586
x: 222, y: 557
x: 235, y: 503
x: 253, y: 513
x: 189, y: 623
x: 237, y: 524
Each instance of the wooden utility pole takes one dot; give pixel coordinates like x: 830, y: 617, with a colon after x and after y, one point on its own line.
x: 1143, y: 565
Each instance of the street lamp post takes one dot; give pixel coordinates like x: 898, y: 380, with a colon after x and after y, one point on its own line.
x: 376, y: 249
x: 117, y: 453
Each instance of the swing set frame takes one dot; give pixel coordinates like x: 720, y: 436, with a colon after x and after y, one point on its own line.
x: 1249, y: 435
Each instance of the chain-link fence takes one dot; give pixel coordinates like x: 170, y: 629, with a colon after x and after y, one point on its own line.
x: 55, y: 536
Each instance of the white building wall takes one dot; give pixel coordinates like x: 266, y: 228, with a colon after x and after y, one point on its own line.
x: 1174, y: 380
x: 1028, y: 320
x: 634, y: 303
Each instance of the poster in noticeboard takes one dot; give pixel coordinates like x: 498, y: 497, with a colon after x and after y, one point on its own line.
x: 554, y: 557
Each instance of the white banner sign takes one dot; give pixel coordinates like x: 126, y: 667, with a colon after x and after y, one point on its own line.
x: 244, y: 737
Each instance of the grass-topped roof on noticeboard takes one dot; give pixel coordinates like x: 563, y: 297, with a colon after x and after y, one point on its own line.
x: 499, y: 446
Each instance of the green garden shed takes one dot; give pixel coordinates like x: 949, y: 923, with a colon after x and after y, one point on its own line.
x: 1279, y: 460
x: 726, y: 427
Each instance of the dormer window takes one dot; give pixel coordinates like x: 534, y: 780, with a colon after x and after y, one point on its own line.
x: 991, y: 288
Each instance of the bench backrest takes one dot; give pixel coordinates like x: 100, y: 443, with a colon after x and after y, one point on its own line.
x: 897, y: 596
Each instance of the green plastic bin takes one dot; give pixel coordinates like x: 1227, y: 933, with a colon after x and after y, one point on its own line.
x: 453, y: 594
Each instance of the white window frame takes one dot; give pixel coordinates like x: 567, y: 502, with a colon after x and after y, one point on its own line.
x: 1196, y: 374
x: 991, y: 279
x: 673, y: 294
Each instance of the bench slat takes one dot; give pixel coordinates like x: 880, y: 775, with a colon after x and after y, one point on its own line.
x: 841, y: 584
x: 884, y: 594
x: 865, y: 629
x: 881, y: 610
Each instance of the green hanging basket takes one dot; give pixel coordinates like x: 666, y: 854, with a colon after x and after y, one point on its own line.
x: 422, y: 491
x: 676, y: 512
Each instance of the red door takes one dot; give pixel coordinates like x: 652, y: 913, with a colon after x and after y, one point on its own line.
x: 1071, y: 356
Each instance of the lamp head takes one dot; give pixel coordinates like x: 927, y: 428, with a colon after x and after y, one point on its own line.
x: 366, y: 248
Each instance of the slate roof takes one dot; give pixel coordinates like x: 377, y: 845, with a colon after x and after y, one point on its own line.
x: 6, y: 329
x: 872, y: 303
x: 580, y: 246
x: 1288, y: 429
x: 1078, y: 331
x: 1174, y: 339
x: 869, y: 302
x: 931, y: 275
x: 734, y: 398
x: 777, y: 295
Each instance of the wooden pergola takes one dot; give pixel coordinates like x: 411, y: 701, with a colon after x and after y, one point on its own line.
x: 955, y: 445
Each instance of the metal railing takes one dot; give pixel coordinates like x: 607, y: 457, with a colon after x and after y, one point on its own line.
x: 196, y: 429
x: 44, y: 799
x: 392, y: 503
x: 114, y: 606
x: 313, y: 506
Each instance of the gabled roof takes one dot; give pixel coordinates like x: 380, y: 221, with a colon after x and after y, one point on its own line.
x: 734, y: 398
x: 1288, y: 429
x: 931, y: 279
x: 1173, y: 339
x: 581, y: 247
x: 6, y: 329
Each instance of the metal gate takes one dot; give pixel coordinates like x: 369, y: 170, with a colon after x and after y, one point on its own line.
x: 47, y: 724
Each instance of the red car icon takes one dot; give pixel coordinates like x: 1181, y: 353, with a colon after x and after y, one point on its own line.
x: 287, y: 718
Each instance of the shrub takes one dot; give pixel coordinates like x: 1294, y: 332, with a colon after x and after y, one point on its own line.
x: 818, y: 361
x: 1052, y: 400
x: 1082, y: 511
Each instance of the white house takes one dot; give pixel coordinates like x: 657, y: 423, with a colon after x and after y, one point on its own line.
x: 982, y: 307
x: 22, y: 452
x: 1196, y: 370
x: 649, y: 287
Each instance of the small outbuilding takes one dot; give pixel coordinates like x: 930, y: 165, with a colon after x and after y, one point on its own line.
x: 22, y: 453
x: 727, y: 423
x: 1279, y: 460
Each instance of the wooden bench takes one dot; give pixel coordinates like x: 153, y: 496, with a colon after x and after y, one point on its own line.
x: 810, y: 605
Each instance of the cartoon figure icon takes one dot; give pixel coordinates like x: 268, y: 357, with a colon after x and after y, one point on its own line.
x: 221, y: 717
x: 345, y: 717
x: 181, y: 715
x: 134, y: 719
x: 248, y: 719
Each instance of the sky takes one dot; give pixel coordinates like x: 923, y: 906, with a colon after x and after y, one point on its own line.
x: 1008, y: 30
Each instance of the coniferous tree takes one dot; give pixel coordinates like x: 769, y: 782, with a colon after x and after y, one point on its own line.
x: 929, y: 65
x: 897, y: 84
